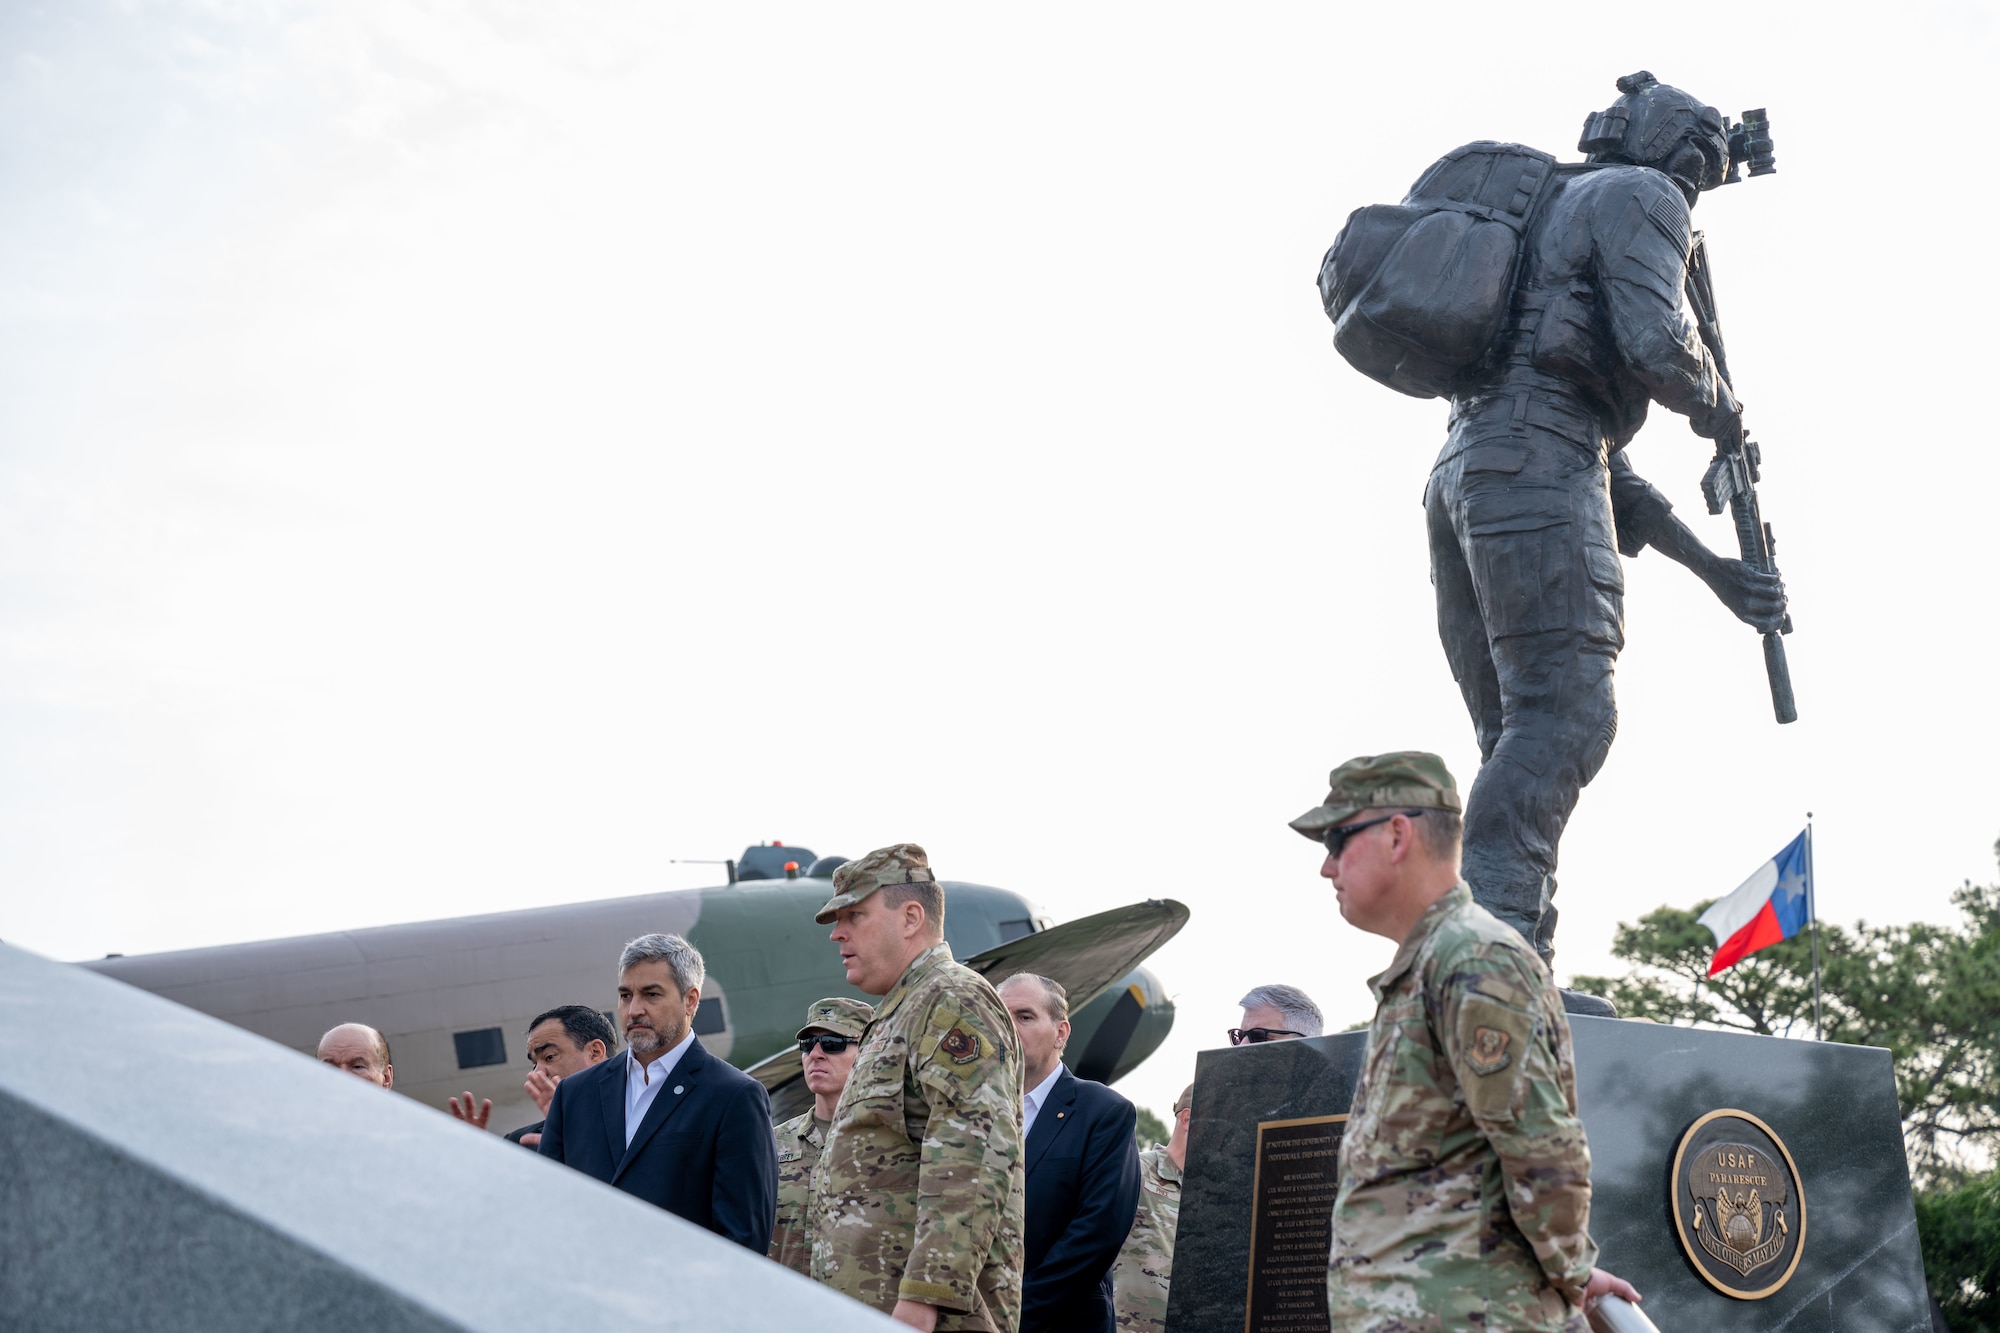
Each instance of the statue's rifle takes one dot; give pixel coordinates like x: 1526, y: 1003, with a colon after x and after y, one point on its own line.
x: 1732, y: 478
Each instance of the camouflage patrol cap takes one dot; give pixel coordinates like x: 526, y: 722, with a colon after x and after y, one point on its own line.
x: 904, y: 863
x: 838, y: 1014
x: 1405, y: 780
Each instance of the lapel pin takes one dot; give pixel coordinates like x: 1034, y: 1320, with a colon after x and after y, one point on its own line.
x: 1061, y: 1114
x: 677, y: 1089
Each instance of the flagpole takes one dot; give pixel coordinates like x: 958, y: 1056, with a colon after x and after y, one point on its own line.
x: 1812, y: 914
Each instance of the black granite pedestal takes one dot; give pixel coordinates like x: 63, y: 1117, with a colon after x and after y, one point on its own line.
x: 1831, y: 1243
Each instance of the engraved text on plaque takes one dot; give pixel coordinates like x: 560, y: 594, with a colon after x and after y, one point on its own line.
x: 1291, y: 1224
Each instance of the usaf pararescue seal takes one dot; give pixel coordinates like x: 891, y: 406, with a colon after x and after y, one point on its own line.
x: 1738, y: 1207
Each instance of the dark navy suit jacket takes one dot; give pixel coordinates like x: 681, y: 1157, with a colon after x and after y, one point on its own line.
x: 704, y: 1151
x: 1083, y: 1190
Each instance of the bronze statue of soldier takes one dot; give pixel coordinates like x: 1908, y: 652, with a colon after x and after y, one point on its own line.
x: 1532, y: 500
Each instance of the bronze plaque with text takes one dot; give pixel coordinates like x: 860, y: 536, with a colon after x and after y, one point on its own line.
x: 1291, y: 1223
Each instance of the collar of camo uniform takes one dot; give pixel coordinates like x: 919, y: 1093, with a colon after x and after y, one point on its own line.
x: 920, y: 967
x: 1406, y: 954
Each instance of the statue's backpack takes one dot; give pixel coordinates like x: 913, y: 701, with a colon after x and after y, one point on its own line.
x: 1417, y: 291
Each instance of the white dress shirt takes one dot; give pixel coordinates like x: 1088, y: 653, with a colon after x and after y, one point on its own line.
x: 643, y: 1083
x: 1031, y: 1104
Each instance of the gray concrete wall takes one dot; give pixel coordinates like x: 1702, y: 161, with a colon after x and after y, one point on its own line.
x: 163, y: 1170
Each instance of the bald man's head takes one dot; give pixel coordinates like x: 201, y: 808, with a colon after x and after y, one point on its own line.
x: 361, y: 1051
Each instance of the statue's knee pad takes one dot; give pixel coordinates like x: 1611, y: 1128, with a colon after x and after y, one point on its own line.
x: 1601, y: 719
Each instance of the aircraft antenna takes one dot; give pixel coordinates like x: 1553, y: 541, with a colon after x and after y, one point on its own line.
x: 693, y: 861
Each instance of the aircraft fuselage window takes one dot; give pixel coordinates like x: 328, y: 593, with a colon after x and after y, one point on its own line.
x: 487, y: 1046
x: 1014, y: 930
x: 709, y: 1018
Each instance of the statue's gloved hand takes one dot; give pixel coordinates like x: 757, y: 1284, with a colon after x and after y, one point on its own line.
x: 1723, y: 419
x: 1757, y: 598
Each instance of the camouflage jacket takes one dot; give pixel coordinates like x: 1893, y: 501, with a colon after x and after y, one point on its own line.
x: 1464, y: 1175
x: 1145, y: 1266
x: 918, y: 1191
x: 799, y: 1142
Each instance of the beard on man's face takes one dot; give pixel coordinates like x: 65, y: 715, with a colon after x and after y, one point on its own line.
x: 643, y: 1039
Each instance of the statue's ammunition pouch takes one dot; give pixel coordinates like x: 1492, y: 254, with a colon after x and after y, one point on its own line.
x: 1556, y: 331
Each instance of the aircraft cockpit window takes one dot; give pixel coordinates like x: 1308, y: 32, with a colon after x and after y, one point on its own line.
x: 487, y: 1046
x: 1014, y: 930
x: 709, y: 1018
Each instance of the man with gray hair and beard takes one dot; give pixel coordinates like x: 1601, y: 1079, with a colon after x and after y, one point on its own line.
x: 669, y: 1122
x: 1277, y: 1013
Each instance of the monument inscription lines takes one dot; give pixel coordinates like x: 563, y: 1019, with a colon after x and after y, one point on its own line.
x: 1293, y: 1187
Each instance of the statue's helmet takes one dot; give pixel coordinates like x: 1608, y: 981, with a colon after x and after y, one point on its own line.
x: 1653, y: 124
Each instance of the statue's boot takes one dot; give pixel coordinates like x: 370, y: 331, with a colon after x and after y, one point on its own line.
x: 1590, y: 1006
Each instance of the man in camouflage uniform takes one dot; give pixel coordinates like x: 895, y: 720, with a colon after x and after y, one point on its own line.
x: 827, y: 1065
x: 1145, y: 1267
x: 1464, y: 1174
x: 918, y: 1196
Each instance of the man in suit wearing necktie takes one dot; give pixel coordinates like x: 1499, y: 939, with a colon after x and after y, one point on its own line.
x: 1083, y: 1171
x: 668, y: 1121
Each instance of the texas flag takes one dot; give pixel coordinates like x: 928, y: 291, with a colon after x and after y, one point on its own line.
x: 1774, y: 904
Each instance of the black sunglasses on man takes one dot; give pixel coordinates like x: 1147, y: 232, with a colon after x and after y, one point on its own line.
x: 830, y: 1042
x: 1251, y: 1036
x: 1336, y: 838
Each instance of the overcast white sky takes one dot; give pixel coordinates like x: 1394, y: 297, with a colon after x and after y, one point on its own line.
x: 461, y: 456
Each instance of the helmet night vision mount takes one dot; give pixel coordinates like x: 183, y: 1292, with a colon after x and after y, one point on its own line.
x: 1750, y: 142
x: 1650, y: 118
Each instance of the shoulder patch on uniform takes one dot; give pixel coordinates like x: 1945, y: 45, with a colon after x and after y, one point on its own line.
x: 1487, y: 1052
x: 1493, y: 1056
x: 960, y: 1047
x: 1670, y: 215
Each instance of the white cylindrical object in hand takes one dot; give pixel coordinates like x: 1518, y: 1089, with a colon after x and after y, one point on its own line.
x: 1615, y: 1314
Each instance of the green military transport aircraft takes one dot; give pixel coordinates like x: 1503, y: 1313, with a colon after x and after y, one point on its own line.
x: 455, y: 997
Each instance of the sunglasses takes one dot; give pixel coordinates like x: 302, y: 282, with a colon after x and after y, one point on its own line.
x: 1336, y: 838
x: 831, y: 1043
x: 1251, y: 1036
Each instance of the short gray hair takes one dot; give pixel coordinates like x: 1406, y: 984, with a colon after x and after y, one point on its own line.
x: 1052, y: 991
x: 681, y: 958
x: 1299, y: 1012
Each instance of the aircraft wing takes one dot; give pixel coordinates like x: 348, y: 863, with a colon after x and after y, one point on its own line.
x: 1086, y: 956
x: 784, y: 1078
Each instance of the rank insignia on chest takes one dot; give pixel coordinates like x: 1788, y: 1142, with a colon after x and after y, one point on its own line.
x: 961, y: 1046
x: 1488, y: 1052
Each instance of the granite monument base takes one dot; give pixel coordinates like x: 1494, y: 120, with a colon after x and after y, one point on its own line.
x: 1739, y: 1182
x: 167, y: 1172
